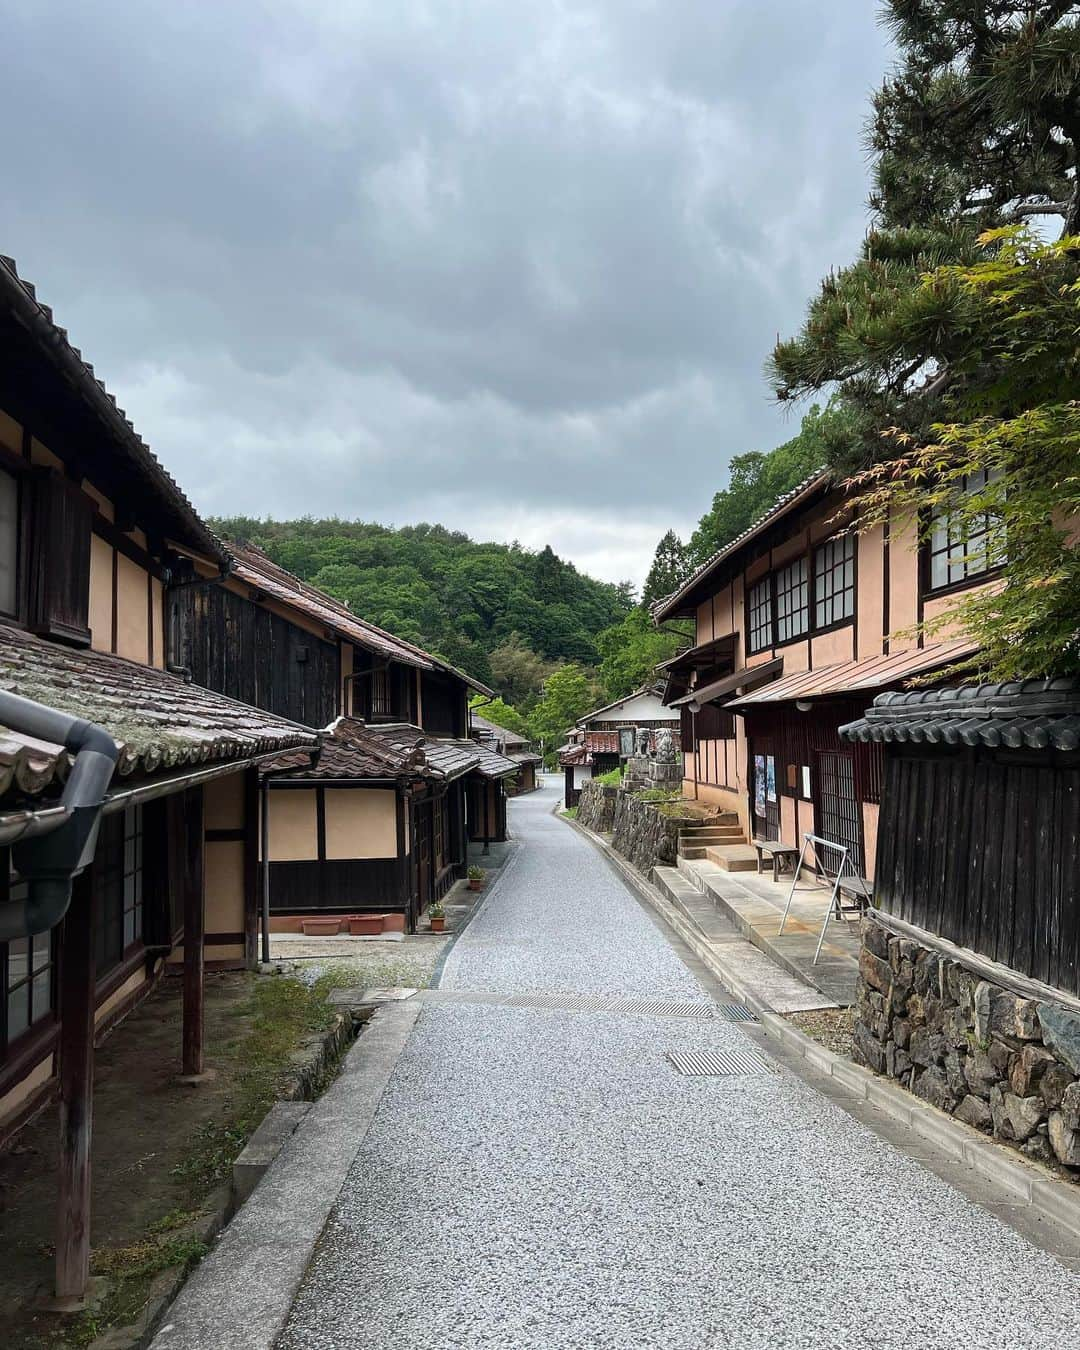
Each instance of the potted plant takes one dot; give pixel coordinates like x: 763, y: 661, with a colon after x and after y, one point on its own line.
x: 476, y: 878
x: 437, y: 916
x: 321, y: 927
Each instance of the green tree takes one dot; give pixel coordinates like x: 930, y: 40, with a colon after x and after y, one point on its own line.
x: 568, y: 694
x: 630, y: 651
x: 495, y: 710
x: 757, y: 479
x: 1016, y: 435
x: 978, y: 126
x: 517, y: 672
x: 669, y: 567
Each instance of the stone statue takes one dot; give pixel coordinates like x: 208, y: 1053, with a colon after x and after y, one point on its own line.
x: 665, y: 747
x: 643, y: 740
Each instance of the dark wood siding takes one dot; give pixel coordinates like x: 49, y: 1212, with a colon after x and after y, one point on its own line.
x: 58, y: 575
x: 345, y: 886
x: 238, y: 648
x: 442, y: 705
x: 981, y: 848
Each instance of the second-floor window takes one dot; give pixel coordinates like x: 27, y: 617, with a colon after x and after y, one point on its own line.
x: 960, y: 549
x: 9, y: 542
x: 761, y: 615
x: 381, y: 703
x: 792, y: 601
x: 834, y: 581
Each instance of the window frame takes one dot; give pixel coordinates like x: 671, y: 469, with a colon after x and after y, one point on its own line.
x: 753, y: 626
x: 927, y: 553
x: 35, y: 1026
x: 805, y: 608
x: 846, y: 541
x: 116, y: 899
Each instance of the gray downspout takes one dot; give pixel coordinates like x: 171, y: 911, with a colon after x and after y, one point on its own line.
x: 48, y: 863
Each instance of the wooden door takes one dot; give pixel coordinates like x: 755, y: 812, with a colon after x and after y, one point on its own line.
x: 424, y: 861
x: 837, y: 815
x: 764, y: 802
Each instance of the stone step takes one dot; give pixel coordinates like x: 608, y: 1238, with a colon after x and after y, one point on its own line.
x: 733, y: 857
x: 723, y: 834
x: 699, y: 851
x: 725, y: 818
x: 697, y: 909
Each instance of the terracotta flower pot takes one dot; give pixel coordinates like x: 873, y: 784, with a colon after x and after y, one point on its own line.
x: 320, y: 927
x: 475, y: 885
x: 365, y: 925
x: 438, y: 925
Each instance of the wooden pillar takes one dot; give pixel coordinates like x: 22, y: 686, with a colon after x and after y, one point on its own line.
x: 487, y: 816
x: 252, y: 878
x: 194, y: 932
x: 76, y: 1050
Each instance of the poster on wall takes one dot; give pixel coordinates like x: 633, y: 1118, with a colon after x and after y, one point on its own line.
x: 770, y: 778
x: 759, y: 784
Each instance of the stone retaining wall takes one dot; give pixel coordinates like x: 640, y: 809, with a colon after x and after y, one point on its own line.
x: 643, y: 834
x: 1007, y: 1064
x: 596, y: 806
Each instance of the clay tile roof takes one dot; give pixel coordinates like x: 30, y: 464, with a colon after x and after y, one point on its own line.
x: 1022, y: 715
x: 508, y: 738
x: 602, y: 742
x: 351, y: 749
x: 21, y: 298
x: 449, y: 758
x: 158, y: 721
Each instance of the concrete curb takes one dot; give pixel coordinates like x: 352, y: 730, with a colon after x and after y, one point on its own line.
x: 242, y: 1293
x: 1058, y: 1201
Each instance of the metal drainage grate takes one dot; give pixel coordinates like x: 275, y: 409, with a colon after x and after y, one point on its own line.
x: 659, y: 1007
x: 735, y: 1012
x: 719, y: 1063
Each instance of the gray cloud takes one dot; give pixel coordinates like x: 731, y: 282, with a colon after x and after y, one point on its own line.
x: 512, y: 266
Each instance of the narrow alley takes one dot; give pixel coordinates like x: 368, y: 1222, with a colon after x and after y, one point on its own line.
x: 544, y: 1176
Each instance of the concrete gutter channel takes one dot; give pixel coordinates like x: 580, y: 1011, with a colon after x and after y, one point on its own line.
x: 1022, y: 1194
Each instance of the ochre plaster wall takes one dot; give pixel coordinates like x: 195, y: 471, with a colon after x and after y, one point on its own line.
x: 361, y: 823
x: 293, y: 829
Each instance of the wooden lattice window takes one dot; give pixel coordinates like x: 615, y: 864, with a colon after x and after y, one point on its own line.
x: 958, y: 549
x: 27, y: 974
x: 759, y: 602
x: 834, y: 581
x: 792, y: 601
x: 120, y: 922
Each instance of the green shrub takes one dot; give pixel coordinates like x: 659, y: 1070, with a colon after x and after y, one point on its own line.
x: 610, y: 779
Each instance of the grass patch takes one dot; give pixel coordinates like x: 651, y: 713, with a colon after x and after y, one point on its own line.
x: 571, y: 813
x: 284, y: 1012
x: 612, y: 778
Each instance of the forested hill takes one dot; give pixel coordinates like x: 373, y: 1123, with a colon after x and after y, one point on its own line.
x: 437, y: 587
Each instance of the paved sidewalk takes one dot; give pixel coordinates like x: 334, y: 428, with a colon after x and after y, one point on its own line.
x: 540, y: 1177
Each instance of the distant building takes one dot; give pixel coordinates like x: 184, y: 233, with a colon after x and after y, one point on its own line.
x: 605, y: 737
x: 514, y: 747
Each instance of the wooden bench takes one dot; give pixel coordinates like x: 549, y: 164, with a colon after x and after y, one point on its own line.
x: 782, y: 855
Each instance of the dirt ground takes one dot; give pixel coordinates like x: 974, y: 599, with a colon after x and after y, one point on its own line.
x: 163, y: 1150
x: 831, y: 1026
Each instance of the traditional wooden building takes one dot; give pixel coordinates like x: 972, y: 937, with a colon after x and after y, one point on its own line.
x: 607, y: 736
x: 128, y: 796
x: 799, y: 624
x: 514, y: 747
x: 380, y: 827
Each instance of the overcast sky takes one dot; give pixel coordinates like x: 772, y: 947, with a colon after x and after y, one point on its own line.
x: 511, y: 265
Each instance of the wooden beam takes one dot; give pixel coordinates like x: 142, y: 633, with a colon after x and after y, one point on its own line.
x: 76, y: 1051
x: 194, y: 932
x: 251, y: 867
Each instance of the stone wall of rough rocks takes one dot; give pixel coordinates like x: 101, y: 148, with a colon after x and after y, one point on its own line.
x: 596, y: 806
x: 643, y: 834
x: 1006, y: 1064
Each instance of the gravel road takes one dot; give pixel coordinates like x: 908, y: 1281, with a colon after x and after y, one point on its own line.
x: 540, y: 1177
